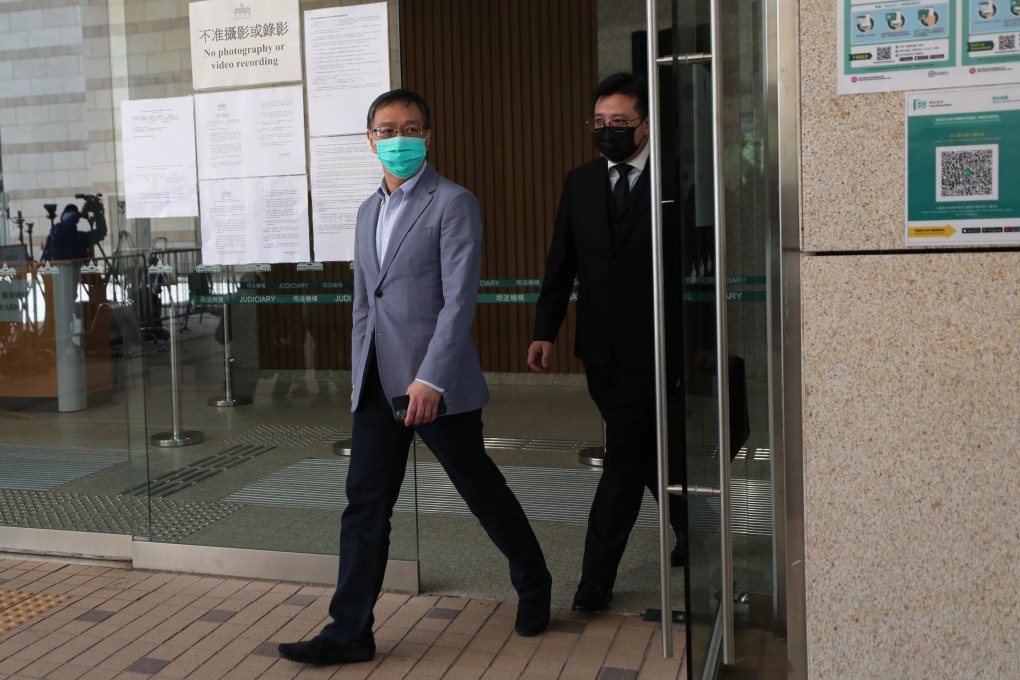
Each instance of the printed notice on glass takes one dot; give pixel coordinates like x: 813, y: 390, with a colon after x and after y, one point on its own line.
x: 262, y: 219
x: 919, y: 44
x: 244, y: 42
x: 344, y: 173
x: 962, y: 175
x: 250, y: 133
x: 160, y: 177
x: 348, y: 65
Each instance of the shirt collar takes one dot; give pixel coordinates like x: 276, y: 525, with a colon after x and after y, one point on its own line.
x: 407, y: 188
x: 639, y: 162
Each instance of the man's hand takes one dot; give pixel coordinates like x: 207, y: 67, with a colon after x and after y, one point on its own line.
x: 423, y: 406
x: 539, y: 354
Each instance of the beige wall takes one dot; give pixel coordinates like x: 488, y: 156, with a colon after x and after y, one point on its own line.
x: 44, y: 130
x: 911, y: 408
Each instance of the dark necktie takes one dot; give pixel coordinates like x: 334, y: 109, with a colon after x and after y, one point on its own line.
x: 621, y: 192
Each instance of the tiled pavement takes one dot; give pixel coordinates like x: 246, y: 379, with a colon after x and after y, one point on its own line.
x: 65, y: 621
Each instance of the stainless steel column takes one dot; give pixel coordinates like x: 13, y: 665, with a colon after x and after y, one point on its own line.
x: 70, y: 355
x: 229, y: 399
x: 658, y: 307
x: 721, y: 340
x: 178, y: 436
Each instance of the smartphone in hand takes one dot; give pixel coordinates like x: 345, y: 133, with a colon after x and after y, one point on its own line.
x: 401, y: 403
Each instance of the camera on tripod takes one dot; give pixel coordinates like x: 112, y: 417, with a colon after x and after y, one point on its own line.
x: 93, y: 203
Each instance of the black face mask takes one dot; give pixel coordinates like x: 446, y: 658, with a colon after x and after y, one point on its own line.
x: 616, y: 146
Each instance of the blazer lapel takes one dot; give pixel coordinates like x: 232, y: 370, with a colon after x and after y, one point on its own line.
x: 370, y: 224
x: 412, y: 211
x: 594, y: 201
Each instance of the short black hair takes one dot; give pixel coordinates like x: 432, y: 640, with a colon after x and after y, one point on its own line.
x: 623, y: 83
x: 406, y: 97
x: 71, y: 208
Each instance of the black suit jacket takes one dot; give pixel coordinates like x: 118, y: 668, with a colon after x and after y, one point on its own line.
x: 614, y: 294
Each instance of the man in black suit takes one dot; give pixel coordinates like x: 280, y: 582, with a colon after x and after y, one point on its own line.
x: 603, y: 238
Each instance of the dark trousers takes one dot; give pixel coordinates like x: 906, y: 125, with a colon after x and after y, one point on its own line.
x: 379, y: 446
x: 626, y: 400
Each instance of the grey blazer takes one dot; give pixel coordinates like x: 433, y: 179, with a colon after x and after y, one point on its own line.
x: 420, y: 304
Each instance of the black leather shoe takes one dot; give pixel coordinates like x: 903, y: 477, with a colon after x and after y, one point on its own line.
x: 678, y: 557
x: 321, y: 651
x: 533, y: 613
x: 592, y: 598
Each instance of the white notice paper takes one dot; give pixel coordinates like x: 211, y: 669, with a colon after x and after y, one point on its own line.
x: 244, y: 42
x: 263, y: 219
x: 251, y: 133
x: 344, y: 173
x: 348, y: 63
x: 159, y: 157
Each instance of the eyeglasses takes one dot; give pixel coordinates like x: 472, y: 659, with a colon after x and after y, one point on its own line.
x: 598, y: 125
x: 406, y: 131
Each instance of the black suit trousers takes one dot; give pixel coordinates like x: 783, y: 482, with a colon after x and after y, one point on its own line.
x: 626, y: 400
x: 378, y: 460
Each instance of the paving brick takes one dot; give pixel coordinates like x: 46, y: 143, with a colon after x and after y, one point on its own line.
x: 513, y: 664
x: 95, y: 615
x: 429, y: 669
x: 134, y: 624
x: 39, y: 669
x: 67, y: 672
x: 147, y: 666
x: 580, y: 671
x: 613, y: 673
x: 460, y: 671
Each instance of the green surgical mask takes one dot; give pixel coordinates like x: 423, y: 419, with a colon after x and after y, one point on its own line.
x: 401, y: 156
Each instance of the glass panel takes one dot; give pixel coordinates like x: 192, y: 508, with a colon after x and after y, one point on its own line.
x: 268, y: 466
x: 68, y: 335
x: 747, y: 240
x: 260, y: 467
x: 691, y: 307
x: 743, y: 138
x: 510, y: 131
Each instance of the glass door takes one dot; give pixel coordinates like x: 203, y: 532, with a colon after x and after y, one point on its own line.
x: 714, y: 242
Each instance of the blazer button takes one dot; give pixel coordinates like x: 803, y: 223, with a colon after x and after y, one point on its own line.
x: 378, y: 293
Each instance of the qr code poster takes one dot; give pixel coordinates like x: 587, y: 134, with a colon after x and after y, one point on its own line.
x: 958, y: 192
x: 967, y: 173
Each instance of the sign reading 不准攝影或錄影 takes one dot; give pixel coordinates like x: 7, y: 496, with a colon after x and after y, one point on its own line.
x: 961, y: 173
x: 244, y: 42
x: 925, y: 44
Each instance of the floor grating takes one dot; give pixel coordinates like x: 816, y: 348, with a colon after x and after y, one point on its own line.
x: 171, y: 521
x: 200, y: 470
x: 305, y: 435
x: 546, y: 494
x: 285, y: 435
x: 40, y: 468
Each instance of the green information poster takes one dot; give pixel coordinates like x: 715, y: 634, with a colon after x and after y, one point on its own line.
x: 962, y: 176
x: 926, y: 44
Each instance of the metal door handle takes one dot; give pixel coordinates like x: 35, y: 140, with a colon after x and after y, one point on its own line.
x: 689, y: 58
x: 695, y: 491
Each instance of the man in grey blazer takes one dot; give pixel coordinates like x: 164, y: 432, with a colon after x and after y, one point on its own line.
x: 417, y: 263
